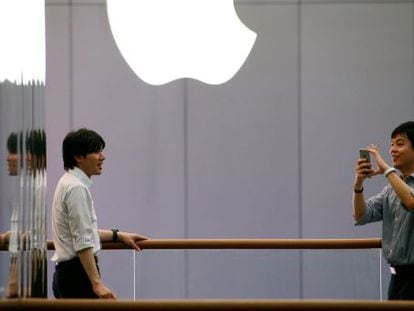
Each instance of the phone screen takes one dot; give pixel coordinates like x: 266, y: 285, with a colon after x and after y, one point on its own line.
x: 364, y: 154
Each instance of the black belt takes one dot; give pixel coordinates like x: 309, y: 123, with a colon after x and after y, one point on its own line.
x: 71, y: 263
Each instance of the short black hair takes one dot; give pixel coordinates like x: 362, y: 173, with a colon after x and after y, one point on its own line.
x: 80, y: 143
x: 36, y: 142
x: 12, y: 143
x: 407, y: 129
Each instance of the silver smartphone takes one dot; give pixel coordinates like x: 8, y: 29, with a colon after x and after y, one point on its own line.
x: 364, y: 154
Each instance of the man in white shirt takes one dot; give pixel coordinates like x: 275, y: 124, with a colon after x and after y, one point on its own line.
x: 75, y: 230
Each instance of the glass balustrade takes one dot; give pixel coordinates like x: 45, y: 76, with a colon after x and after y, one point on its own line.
x: 22, y: 148
x: 246, y: 274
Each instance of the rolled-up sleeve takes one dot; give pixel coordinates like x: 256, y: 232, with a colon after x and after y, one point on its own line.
x: 405, y: 207
x: 374, y: 209
x: 81, y: 218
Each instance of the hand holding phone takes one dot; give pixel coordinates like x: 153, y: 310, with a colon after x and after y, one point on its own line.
x: 364, y: 154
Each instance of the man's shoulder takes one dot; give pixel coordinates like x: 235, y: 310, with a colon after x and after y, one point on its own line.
x: 70, y: 181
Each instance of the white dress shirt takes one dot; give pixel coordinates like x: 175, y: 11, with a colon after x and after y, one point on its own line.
x: 74, y: 221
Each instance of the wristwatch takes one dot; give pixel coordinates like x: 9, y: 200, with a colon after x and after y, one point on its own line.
x: 115, y: 235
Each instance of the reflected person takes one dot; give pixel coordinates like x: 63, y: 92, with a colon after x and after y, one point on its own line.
x: 394, y: 206
x: 74, y: 223
x: 12, y: 168
x: 33, y: 240
x: 10, y: 237
x: 36, y: 238
x: 12, y: 156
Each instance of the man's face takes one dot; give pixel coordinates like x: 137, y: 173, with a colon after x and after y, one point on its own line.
x: 402, y: 153
x: 92, y: 163
x: 12, y: 163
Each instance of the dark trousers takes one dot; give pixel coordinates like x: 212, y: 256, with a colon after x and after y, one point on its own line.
x: 71, y: 281
x: 402, y: 283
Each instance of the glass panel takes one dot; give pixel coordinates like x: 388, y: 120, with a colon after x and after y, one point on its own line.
x: 161, y: 274
x: 117, y: 270
x: 23, y: 187
x: 11, y: 165
x: 272, y: 274
x: 4, y: 265
x: 244, y: 274
x: 23, y: 146
x: 342, y: 274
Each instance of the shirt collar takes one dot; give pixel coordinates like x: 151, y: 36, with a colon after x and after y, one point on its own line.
x: 78, y: 173
x: 408, y: 178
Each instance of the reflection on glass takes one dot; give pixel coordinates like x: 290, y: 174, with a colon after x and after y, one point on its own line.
x: 12, y: 157
x: 26, y: 169
x: 23, y: 182
x: 14, y: 163
x: 36, y: 164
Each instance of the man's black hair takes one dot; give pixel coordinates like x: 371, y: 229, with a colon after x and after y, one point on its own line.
x: 36, y: 142
x: 407, y: 129
x: 12, y: 143
x: 80, y: 143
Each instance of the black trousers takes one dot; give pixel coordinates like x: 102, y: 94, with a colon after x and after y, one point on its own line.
x: 402, y: 283
x: 71, y: 281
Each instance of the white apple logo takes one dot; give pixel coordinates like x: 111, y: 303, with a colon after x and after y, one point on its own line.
x: 22, y: 37
x: 165, y: 40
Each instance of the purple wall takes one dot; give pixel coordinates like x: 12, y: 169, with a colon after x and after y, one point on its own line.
x: 270, y: 154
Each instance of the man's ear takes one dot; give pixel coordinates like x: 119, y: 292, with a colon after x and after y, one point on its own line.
x: 79, y: 158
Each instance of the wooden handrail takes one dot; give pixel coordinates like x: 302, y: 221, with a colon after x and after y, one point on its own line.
x: 261, y: 244
x: 221, y: 304
x: 252, y: 244
x: 243, y: 244
x: 205, y: 304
